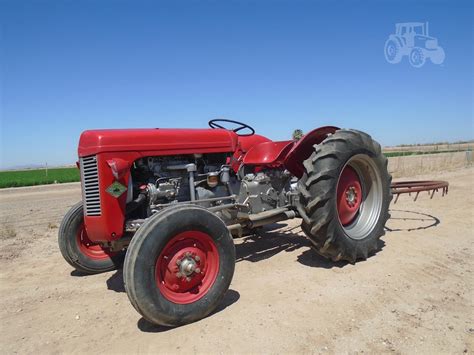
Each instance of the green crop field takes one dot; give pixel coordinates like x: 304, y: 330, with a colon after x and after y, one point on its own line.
x: 17, y: 178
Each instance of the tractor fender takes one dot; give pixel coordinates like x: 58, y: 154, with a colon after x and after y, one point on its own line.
x: 304, y: 148
x: 268, y: 153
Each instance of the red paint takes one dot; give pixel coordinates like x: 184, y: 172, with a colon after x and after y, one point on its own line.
x: 248, y: 142
x: 109, y: 225
x: 245, y: 144
x: 178, y: 289
x: 304, y: 148
x: 88, y: 248
x: 160, y: 141
x: 116, y: 151
x: 119, y: 167
x: 349, y: 183
x: 268, y: 153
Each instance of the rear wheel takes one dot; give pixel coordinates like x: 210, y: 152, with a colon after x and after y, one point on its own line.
x: 79, y: 251
x: 392, y: 50
x: 179, y: 266
x: 345, y: 196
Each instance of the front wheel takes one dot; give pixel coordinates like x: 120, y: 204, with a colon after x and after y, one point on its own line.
x: 80, y: 252
x: 179, y: 265
x: 345, y: 195
x: 437, y: 56
x: 417, y: 57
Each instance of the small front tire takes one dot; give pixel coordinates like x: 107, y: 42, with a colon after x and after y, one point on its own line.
x: 81, y: 253
x: 437, y: 56
x: 179, y: 265
x: 417, y: 57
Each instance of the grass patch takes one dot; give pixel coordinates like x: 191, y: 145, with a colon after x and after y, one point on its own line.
x: 17, y: 178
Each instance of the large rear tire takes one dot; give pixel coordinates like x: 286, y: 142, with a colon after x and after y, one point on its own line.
x: 345, y: 196
x: 179, y: 266
x: 81, y: 253
x: 392, y: 51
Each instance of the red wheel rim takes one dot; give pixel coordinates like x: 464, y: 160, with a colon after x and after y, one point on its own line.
x: 187, y: 267
x: 90, y: 249
x: 349, y: 195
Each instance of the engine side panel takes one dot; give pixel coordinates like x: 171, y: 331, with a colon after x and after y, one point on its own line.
x: 109, y: 224
x: 114, y: 171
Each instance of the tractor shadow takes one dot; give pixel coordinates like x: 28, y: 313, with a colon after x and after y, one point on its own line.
x: 263, y: 244
x: 115, y: 282
x: 280, y: 237
x: 277, y: 238
x: 229, y: 299
x: 410, y: 221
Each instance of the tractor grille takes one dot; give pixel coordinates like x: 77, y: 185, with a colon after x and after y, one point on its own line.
x: 90, y: 185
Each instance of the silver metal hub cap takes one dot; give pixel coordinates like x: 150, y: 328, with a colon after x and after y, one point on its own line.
x: 371, y: 199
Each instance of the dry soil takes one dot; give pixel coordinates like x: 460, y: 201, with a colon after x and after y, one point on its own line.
x: 414, y: 295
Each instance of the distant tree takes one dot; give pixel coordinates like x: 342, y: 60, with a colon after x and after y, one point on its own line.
x: 297, y: 134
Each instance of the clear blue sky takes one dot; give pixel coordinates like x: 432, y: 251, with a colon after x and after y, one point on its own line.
x: 67, y: 66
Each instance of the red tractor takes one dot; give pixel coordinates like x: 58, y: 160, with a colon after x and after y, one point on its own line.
x: 174, y: 198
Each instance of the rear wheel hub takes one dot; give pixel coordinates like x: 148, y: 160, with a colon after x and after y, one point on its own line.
x: 349, y: 195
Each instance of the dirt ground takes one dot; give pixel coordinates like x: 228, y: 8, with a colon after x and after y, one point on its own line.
x: 415, y: 295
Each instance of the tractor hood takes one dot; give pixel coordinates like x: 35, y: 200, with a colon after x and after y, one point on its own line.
x: 157, y: 141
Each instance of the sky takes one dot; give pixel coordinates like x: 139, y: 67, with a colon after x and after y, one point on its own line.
x: 68, y: 66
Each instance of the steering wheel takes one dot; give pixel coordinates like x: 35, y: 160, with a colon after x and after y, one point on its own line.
x: 213, y: 124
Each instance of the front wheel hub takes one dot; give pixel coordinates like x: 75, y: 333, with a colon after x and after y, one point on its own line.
x: 187, y: 267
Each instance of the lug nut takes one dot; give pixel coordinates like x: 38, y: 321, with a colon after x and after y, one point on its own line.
x: 178, y: 275
x: 197, y: 271
x: 178, y: 262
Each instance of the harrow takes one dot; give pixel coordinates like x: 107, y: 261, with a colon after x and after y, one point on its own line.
x: 415, y: 187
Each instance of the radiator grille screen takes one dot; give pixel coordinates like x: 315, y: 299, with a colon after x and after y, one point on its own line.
x: 90, y: 185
